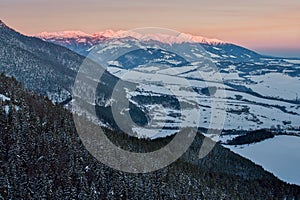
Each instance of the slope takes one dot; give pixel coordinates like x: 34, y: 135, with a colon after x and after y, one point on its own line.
x: 41, y: 156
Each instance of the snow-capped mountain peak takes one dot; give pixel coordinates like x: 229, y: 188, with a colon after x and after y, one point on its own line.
x: 63, y: 34
x: 108, y: 33
x: 161, y: 37
x: 200, y: 39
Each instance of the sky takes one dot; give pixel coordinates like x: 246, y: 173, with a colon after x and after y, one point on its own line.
x: 267, y: 26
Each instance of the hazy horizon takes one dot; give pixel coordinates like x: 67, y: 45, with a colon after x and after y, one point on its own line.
x: 268, y: 27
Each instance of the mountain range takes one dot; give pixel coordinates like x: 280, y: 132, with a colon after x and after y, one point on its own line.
x: 162, y: 78
x: 157, y: 61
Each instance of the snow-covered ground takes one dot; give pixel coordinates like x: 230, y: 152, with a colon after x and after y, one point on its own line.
x: 294, y: 61
x: 279, y: 155
x: 244, y: 113
x: 276, y: 85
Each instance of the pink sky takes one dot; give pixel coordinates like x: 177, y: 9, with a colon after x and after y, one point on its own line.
x: 268, y: 26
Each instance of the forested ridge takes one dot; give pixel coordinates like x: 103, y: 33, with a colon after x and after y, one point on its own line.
x: 42, y: 157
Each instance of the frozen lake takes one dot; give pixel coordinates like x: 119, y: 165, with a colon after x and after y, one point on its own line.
x: 279, y: 155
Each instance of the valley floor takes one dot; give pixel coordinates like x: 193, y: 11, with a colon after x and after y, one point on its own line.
x: 278, y: 155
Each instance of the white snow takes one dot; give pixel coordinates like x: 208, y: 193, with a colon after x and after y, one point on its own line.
x: 279, y: 155
x: 168, y: 38
x: 212, y: 55
x: 266, y: 115
x: 62, y: 34
x: 116, y: 63
x: 216, y: 48
x: 6, y: 108
x: 292, y: 61
x: 276, y: 85
x: 4, y: 98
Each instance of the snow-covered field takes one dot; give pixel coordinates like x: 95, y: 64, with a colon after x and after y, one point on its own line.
x: 244, y: 111
x: 279, y: 155
x: 294, y: 61
x: 276, y: 85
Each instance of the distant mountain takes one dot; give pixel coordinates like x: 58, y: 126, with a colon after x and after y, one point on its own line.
x: 75, y: 40
x: 164, y: 38
x: 81, y: 42
x: 157, y: 62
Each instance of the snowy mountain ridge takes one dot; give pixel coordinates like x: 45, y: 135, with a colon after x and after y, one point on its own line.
x: 161, y: 37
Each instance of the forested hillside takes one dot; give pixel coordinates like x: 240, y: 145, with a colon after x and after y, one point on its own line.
x: 42, y: 157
